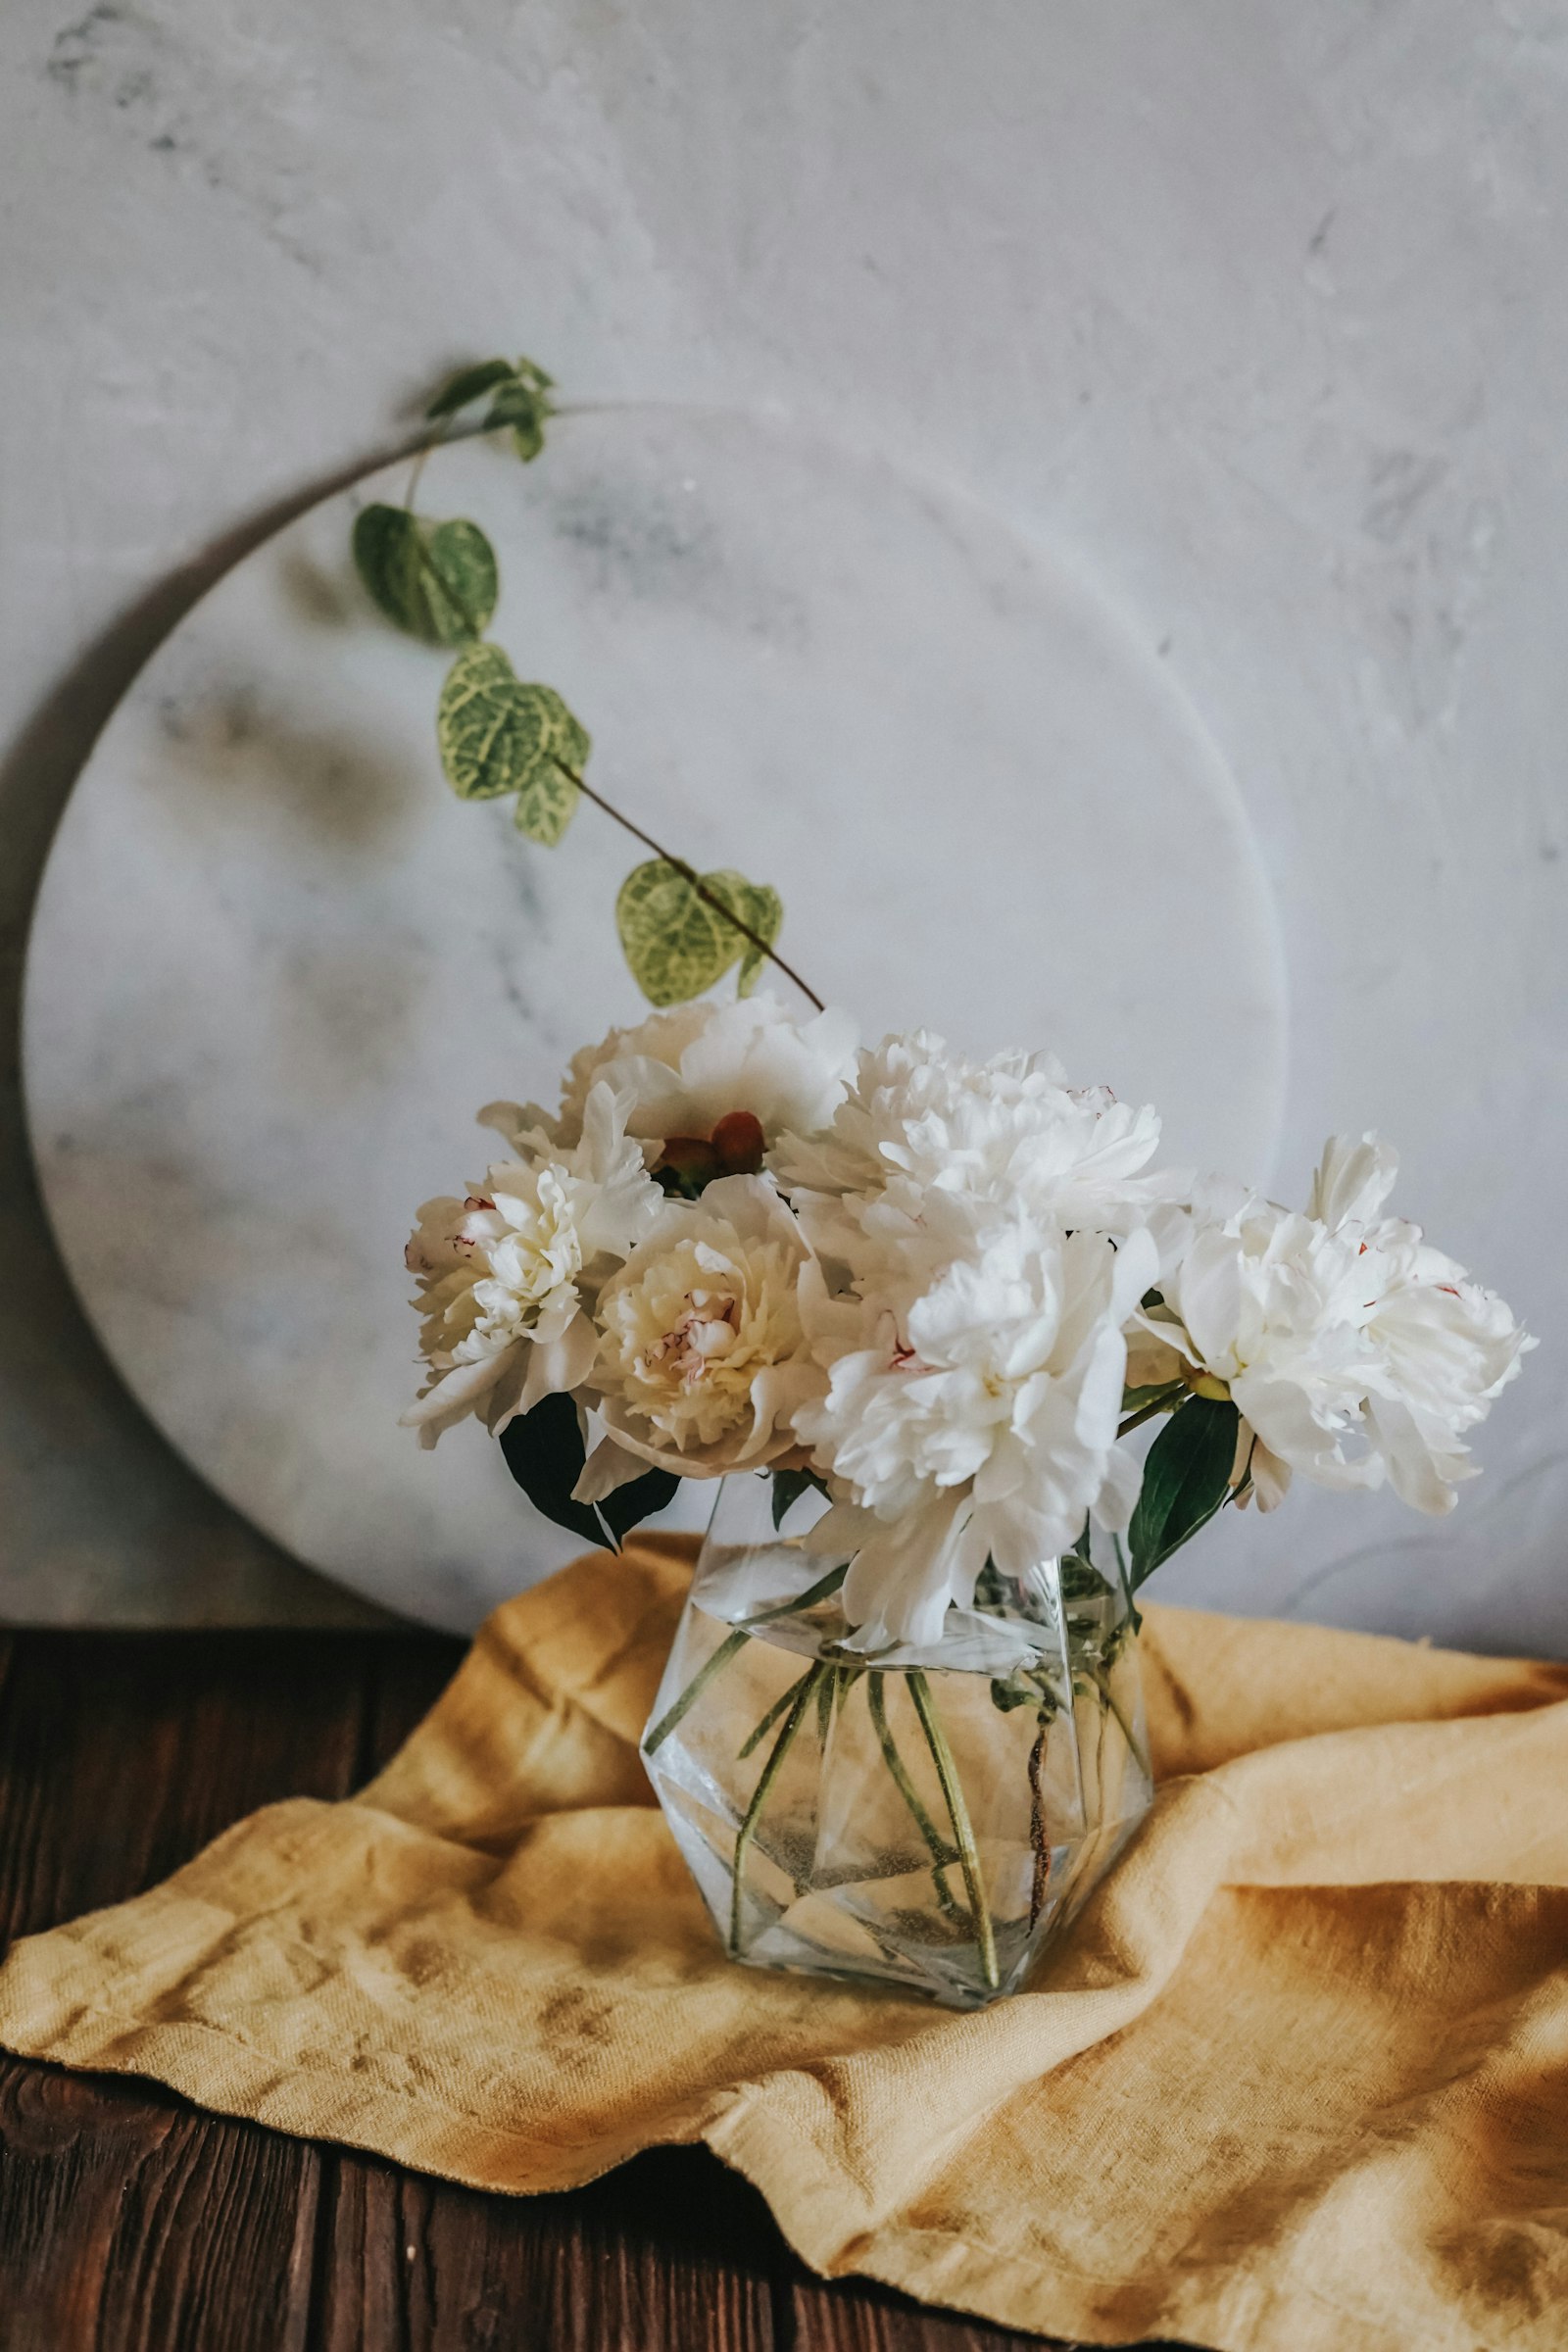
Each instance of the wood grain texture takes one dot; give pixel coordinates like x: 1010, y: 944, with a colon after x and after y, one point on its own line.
x: 130, y: 2222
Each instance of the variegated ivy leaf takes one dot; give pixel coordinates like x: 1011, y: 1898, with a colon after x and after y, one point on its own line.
x: 525, y: 407
x: 760, y: 909
x: 498, y: 735
x: 521, y: 400
x: 438, y: 580
x: 676, y: 942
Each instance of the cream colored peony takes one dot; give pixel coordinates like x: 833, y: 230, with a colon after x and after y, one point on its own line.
x: 506, y: 1274
x: 680, y: 1073
x: 701, y: 1357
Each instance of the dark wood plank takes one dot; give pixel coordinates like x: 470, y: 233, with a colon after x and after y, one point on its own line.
x: 851, y: 2317
x: 130, y: 2223
x: 670, y: 2251
x: 121, y: 1755
x: 405, y: 1676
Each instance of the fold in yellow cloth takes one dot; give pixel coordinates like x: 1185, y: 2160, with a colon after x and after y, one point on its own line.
x: 1297, y: 2080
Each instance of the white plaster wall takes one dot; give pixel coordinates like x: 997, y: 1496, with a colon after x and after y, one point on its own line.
x: 1256, y: 310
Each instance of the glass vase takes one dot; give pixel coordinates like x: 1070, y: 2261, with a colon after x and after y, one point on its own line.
x: 929, y: 1820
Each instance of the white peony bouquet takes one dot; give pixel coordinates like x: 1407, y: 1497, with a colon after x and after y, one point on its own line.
x: 994, y: 1362
x: 947, y: 1294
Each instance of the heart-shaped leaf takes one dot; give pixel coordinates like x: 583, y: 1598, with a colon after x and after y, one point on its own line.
x: 498, y: 735
x: 468, y: 384
x: 437, y: 580
x: 544, y: 1452
x: 525, y: 407
x: 679, y: 943
x: 760, y: 909
x: 1186, y: 1479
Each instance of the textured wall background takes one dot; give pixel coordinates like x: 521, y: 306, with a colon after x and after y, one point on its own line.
x: 1258, y: 310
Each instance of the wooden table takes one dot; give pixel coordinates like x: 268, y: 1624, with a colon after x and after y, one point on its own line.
x: 131, y: 2222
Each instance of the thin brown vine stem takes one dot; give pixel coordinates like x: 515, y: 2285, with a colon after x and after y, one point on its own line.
x: 690, y: 874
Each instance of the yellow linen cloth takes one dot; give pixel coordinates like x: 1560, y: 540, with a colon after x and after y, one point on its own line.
x: 1299, y: 2080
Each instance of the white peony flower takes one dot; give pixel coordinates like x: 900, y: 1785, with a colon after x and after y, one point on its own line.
x: 680, y: 1073
x: 506, y: 1273
x: 974, y: 1378
x: 701, y: 1356
x: 1009, y: 1131
x: 1353, y: 1351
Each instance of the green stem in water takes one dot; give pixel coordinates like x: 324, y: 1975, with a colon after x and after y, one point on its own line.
x: 1134, y: 1613
x: 1101, y: 1683
x: 942, y: 1853
x: 731, y: 1647
x: 962, y: 1829
x: 766, y: 1779
x: 826, y: 1700
x: 756, y: 1738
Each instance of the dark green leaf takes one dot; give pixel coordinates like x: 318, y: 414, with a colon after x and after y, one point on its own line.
x: 544, y: 1452
x: 438, y: 580
x: 1009, y: 1694
x: 1186, y: 1479
x: 468, y: 384
x: 638, y: 1500
x: 496, y: 735
x: 788, y: 1488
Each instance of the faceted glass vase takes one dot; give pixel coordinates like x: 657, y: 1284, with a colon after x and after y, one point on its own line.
x: 929, y: 1821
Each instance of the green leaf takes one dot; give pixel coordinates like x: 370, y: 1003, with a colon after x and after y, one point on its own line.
x: 788, y: 1488
x: 468, y: 384
x: 438, y: 580
x: 498, y: 735
x: 548, y: 801
x: 675, y: 940
x: 525, y: 409
x: 544, y: 1452
x: 759, y: 908
x: 638, y: 1499
x: 1186, y: 1479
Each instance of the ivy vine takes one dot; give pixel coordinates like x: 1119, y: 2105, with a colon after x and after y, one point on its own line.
x: 681, y: 931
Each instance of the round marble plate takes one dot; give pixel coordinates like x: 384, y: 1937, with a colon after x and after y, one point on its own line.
x: 276, y: 965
